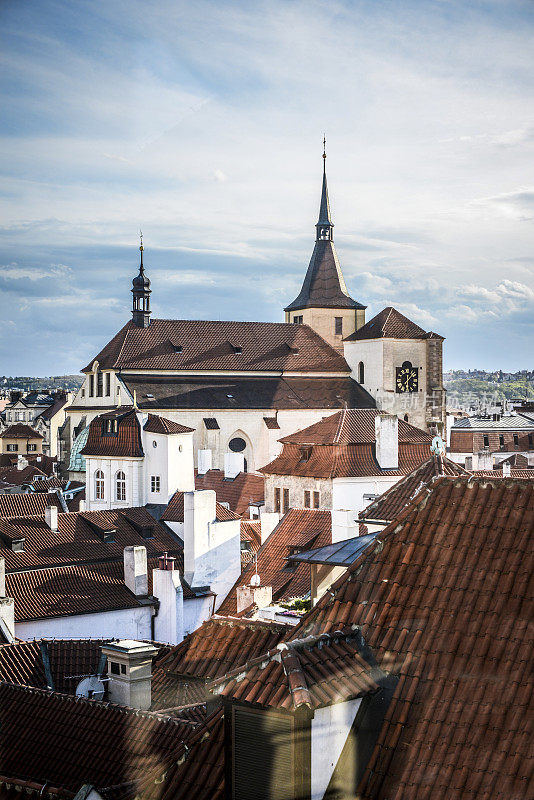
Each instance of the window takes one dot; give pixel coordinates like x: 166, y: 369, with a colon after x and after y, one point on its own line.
x: 277, y: 505
x: 298, y: 319
x: 110, y: 427
x: 501, y: 440
x: 121, y: 485
x: 307, y: 499
x: 18, y: 416
x: 237, y: 445
x: 83, y: 392
x: 108, y: 384
x: 155, y: 483
x: 286, y: 501
x: 123, y: 669
x: 361, y: 372
x: 486, y: 440
x: 32, y: 448
x: 91, y: 385
x: 12, y: 448
x: 9, y: 417
x: 338, y: 326
x: 99, y: 485
x: 406, y: 417
x: 99, y: 384
x: 516, y: 440
x: 305, y: 453
x: 114, y: 668
x: 316, y: 499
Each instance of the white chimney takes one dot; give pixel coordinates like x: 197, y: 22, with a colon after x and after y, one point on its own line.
x: 51, y: 517
x: 7, y: 607
x: 135, y: 570
x: 344, y: 525
x: 261, y: 596
x: 268, y: 522
x: 204, y: 461
x: 2, y: 577
x: 387, y: 440
x: 199, y: 512
x: 234, y: 463
x: 81, y: 506
x: 130, y: 672
x: 22, y: 463
x: 506, y: 470
x: 483, y: 460
x: 167, y: 587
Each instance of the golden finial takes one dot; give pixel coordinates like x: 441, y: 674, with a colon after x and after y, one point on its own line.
x: 141, y: 237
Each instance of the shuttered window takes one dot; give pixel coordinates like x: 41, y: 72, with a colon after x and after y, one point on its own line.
x: 263, y: 755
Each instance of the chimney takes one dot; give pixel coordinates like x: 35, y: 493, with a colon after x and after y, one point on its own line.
x: 506, y: 470
x: 268, y: 522
x: 51, y: 517
x: 204, y: 461
x: 167, y: 587
x: 261, y: 596
x: 345, y: 525
x: 130, y: 672
x: 81, y: 506
x: 7, y: 607
x: 2, y: 577
x: 387, y: 440
x: 483, y: 460
x: 22, y: 462
x: 135, y: 570
x: 199, y: 513
x: 234, y: 463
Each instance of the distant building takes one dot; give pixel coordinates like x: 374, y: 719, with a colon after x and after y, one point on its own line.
x: 480, y: 442
x: 21, y: 440
x: 43, y: 411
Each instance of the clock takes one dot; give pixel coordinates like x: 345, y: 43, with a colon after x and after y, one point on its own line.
x: 407, y: 378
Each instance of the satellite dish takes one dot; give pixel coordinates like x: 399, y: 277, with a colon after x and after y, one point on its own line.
x: 438, y: 446
x: 255, y: 580
x: 90, y: 687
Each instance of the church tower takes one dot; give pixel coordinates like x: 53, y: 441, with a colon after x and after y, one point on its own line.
x: 324, y: 302
x: 141, y: 295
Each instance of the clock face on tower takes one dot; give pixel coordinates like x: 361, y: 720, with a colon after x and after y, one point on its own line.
x: 407, y: 378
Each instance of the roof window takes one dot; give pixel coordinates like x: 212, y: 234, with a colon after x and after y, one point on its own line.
x: 305, y: 454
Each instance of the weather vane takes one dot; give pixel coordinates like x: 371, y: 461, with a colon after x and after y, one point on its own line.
x: 141, y: 237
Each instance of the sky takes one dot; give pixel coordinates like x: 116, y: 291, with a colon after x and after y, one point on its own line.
x: 202, y: 124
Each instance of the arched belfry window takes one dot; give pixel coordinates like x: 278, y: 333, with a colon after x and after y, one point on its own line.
x: 120, y: 485
x: 99, y: 485
x: 361, y: 372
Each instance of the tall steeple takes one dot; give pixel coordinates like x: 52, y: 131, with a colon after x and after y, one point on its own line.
x: 323, y: 301
x: 141, y: 294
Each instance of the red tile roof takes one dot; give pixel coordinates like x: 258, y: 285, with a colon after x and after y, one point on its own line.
x: 20, y: 431
x: 16, y: 477
x: 299, y: 528
x: 212, y: 344
x: 314, y: 672
x: 69, y: 741
x: 175, y: 510
x: 238, y: 492
x: 78, y: 539
x: 125, y: 442
x: 496, y: 473
x: 23, y: 505
x: 386, y: 507
x: 352, y: 426
x: 157, y: 424
x: 221, y: 644
x: 444, y: 599
x: 391, y: 324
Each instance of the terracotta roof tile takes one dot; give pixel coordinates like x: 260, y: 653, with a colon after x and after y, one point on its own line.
x: 219, y: 645
x: 315, y: 671
x: 157, y: 424
x: 238, y: 492
x: 20, y: 431
x: 70, y: 741
x: 352, y: 426
x: 445, y: 598
x: 23, y: 505
x: 391, y: 324
x: 126, y: 441
x: 212, y: 345
x: 299, y: 528
x: 390, y: 503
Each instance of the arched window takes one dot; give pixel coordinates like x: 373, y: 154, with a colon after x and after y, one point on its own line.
x: 99, y: 485
x: 361, y: 372
x: 120, y: 483
x: 406, y: 417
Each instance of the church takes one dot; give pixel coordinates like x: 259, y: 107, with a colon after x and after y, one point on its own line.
x: 243, y: 386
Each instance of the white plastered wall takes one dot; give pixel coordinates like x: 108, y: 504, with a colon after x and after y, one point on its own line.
x: 128, y: 623
x: 330, y: 728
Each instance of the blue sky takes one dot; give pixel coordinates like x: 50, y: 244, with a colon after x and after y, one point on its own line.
x: 202, y: 123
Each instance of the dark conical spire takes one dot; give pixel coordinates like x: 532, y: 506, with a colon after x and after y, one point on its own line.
x: 324, y: 211
x: 141, y: 294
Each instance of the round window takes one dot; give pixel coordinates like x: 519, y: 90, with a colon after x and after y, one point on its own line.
x: 237, y: 445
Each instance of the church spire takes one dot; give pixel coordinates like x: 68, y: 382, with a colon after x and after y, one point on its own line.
x: 324, y: 223
x: 141, y: 294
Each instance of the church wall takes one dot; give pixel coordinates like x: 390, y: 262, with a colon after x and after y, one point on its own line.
x: 321, y: 320
x: 371, y: 353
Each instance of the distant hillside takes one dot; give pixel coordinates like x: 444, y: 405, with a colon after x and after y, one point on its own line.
x: 26, y: 384
x: 477, y: 388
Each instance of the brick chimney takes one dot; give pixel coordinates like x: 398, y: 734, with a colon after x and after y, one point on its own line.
x: 135, y: 570
x: 130, y: 672
x: 387, y: 440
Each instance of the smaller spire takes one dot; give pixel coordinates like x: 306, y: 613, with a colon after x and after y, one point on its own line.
x: 324, y: 225
x: 141, y: 293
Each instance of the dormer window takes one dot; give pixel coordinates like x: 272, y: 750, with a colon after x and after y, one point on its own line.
x: 110, y: 427
x: 238, y: 350
x: 305, y: 454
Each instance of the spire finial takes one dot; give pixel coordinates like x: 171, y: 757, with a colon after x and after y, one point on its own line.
x: 141, y: 248
x: 324, y: 151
